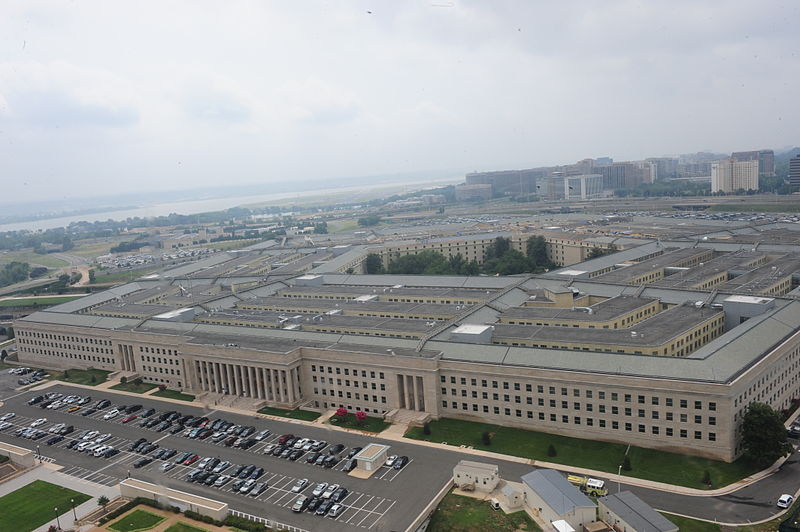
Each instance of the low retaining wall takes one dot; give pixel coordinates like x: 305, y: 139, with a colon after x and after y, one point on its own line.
x: 133, y: 488
x: 18, y: 455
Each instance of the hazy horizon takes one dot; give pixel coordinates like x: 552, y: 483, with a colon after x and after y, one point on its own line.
x: 99, y: 99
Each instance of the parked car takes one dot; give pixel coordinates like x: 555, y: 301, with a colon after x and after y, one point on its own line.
x: 400, y: 462
x: 335, y: 510
x: 391, y: 460
x: 300, y: 503
x: 339, y: 495
x: 300, y: 485
x: 258, y: 489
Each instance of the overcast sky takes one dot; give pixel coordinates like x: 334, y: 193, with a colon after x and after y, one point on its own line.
x: 106, y: 96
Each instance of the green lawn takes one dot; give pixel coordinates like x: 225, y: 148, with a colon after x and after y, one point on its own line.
x: 691, y: 525
x: 136, y: 520
x: 33, y: 505
x: 83, y: 376
x: 37, y: 301
x: 174, y: 394
x: 370, y: 424
x: 464, y: 514
x: 183, y: 527
x: 33, y: 258
x: 305, y: 415
x: 648, y: 464
x: 133, y: 387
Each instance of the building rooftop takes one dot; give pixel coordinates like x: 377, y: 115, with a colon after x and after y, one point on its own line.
x: 556, y: 491
x: 605, y: 310
x: 636, y: 513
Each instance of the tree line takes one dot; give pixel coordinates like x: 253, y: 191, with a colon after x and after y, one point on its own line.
x: 500, y: 258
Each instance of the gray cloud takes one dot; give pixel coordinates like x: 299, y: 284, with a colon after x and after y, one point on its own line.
x: 260, y: 91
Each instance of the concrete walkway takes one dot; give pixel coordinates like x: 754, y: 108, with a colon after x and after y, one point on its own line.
x: 49, y: 473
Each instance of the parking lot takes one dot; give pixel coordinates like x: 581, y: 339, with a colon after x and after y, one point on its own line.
x: 389, y: 500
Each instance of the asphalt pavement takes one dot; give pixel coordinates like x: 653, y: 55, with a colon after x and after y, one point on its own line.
x: 390, y: 500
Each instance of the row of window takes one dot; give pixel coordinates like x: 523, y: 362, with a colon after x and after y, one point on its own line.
x: 364, y: 384
x: 564, y: 391
x: 157, y: 350
x: 155, y: 369
x: 350, y: 395
x: 346, y: 371
x: 589, y: 422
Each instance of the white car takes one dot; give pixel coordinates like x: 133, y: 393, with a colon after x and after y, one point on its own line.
x: 328, y: 493
x: 40, y: 421
x: 263, y: 434
x: 166, y: 466
x: 391, y: 460
x: 91, y: 435
x: 4, y: 425
x: 6, y: 417
x: 269, y: 448
x: 785, y: 501
x: 57, y: 427
x: 103, y: 437
x: 300, y: 485
x: 112, y: 414
x: 319, y: 489
x: 101, y: 449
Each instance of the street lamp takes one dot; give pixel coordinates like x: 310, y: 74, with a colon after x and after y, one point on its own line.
x: 38, y: 454
x: 74, y: 515
x: 619, y: 474
x: 55, y: 510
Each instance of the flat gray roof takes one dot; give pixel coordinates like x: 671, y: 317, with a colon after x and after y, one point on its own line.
x: 605, y: 310
x: 556, y: 491
x: 636, y: 513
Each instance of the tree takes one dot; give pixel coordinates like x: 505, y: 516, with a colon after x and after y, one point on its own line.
x: 498, y: 248
x: 706, y: 478
x: 66, y: 374
x: 361, y: 416
x: 162, y: 387
x: 123, y: 380
x: 368, y: 221
x: 426, y: 429
x: 373, y: 264
x: 321, y: 228
x: 341, y: 412
x: 626, y: 463
x: 94, y: 379
x: 92, y: 279
x: 551, y: 451
x: 102, y: 501
x: 763, y: 435
x: 486, y: 438
x: 138, y: 381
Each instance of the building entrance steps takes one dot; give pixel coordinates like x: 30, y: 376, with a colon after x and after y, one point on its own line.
x: 407, y: 417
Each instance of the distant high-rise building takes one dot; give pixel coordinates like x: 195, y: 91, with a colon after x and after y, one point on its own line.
x: 600, y: 161
x: 794, y: 171
x: 508, y: 182
x: 730, y: 175
x: 666, y: 167
x: 765, y: 158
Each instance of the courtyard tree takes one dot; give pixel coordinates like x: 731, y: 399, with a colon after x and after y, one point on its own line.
x: 763, y: 435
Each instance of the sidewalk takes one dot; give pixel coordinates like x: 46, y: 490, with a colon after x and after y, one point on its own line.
x: 49, y: 474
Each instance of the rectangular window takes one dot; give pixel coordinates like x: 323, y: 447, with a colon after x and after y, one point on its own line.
x: 668, y: 401
x: 683, y: 433
x: 669, y: 431
x: 628, y: 427
x: 712, y: 407
x: 698, y: 435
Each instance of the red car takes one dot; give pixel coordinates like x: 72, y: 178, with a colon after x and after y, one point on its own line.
x: 286, y: 437
x: 128, y: 419
x: 192, y: 459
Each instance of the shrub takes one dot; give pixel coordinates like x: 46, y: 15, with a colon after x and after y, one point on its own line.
x: 94, y: 379
x: 626, y: 464
x: 244, y: 524
x: 123, y: 380
x: 551, y: 451
x: 486, y: 438
x: 706, y: 478
x: 162, y: 387
x: 426, y: 429
x: 200, y: 517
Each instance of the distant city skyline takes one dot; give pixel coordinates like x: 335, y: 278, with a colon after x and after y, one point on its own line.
x: 98, y: 98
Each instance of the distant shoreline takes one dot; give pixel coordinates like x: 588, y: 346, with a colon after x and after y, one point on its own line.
x: 217, y: 204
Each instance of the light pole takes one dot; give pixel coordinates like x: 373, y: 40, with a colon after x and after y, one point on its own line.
x: 55, y: 510
x: 74, y: 515
x: 38, y: 454
x: 619, y: 475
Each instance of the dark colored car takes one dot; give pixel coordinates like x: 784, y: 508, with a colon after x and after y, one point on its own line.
x: 400, y: 462
x: 111, y: 452
x: 285, y: 438
x: 331, y: 461
x: 294, y: 455
x: 54, y: 439
x: 247, y: 444
x: 354, y: 451
x: 142, y: 462
x: 88, y: 412
x: 312, y: 457
x: 314, y: 504
x: 256, y: 473
x: 339, y: 495
x: 335, y: 449
x: 149, y: 412
x: 136, y: 443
